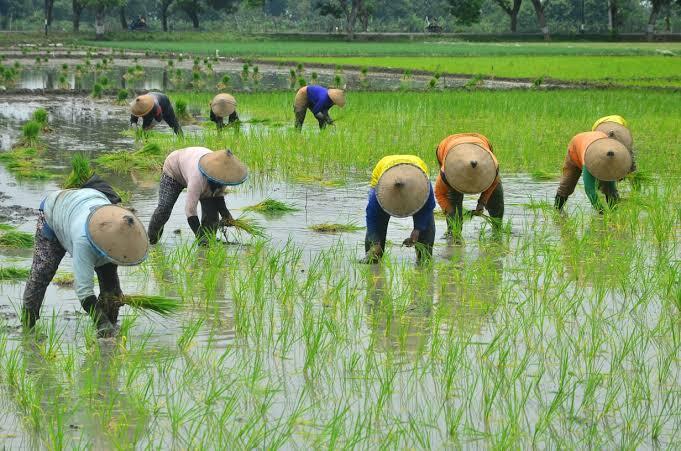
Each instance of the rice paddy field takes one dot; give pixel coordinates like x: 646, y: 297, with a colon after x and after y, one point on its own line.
x: 562, y: 332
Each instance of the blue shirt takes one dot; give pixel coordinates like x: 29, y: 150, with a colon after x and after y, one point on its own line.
x: 66, y: 213
x: 422, y: 218
x: 318, y: 96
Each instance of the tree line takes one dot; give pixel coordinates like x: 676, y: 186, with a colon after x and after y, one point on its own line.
x: 351, y: 16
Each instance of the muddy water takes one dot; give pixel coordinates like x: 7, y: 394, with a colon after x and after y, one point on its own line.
x: 99, y: 129
x: 157, y: 75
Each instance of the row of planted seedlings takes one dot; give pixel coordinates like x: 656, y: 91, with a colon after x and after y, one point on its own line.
x: 504, y: 345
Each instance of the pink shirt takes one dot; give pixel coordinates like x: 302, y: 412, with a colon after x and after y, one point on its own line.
x: 183, y: 166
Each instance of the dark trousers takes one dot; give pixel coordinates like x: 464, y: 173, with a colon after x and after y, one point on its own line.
x: 495, y: 208
x: 424, y: 246
x: 210, y: 216
x: 300, y: 118
x: 168, y: 192
x: 47, y: 255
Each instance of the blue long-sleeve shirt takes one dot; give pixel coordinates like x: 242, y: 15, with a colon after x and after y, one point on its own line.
x: 66, y: 213
x: 318, y: 97
x: 422, y: 218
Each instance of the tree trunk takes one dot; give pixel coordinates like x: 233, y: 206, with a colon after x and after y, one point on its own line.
x: 352, y: 19
x: 99, y: 24
x: 77, y: 10
x: 541, y: 18
x: 514, y: 23
x: 650, y: 31
x: 194, y: 17
x: 124, y: 23
x: 512, y: 12
x: 49, y: 6
x: 164, y: 15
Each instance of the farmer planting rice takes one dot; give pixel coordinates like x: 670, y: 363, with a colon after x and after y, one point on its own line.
x: 223, y: 106
x: 99, y: 236
x: 601, y: 160
x: 205, y: 174
x: 153, y: 108
x: 619, y: 128
x: 468, y: 166
x: 400, y: 187
x: 319, y: 100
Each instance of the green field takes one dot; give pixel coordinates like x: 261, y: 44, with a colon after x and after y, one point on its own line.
x: 431, y: 47
x: 625, y: 70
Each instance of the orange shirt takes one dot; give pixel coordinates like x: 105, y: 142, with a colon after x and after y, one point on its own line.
x: 441, y: 188
x: 579, y: 143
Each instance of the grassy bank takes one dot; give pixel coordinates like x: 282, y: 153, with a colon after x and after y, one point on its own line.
x: 623, y: 70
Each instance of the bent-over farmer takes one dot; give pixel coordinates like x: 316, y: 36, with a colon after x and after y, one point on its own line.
x: 600, y: 160
x: 400, y: 187
x: 223, y: 106
x: 99, y: 236
x: 205, y: 174
x: 153, y: 108
x: 319, y: 100
x: 616, y: 126
x: 468, y: 166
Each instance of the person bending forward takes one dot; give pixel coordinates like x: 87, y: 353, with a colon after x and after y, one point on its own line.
x: 154, y: 108
x: 319, y: 100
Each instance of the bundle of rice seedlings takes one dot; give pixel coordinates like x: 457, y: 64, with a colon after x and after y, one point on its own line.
x: 271, y: 206
x: 80, y: 172
x: 158, y: 304
x: 64, y: 280
x: 12, y: 273
x: 248, y: 225
x: 328, y: 227
x: 14, y: 238
x: 40, y: 115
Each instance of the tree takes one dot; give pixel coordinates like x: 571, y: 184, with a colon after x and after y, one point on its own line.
x: 165, y: 6
x: 512, y: 10
x: 350, y: 9
x: 540, y: 11
x: 49, y: 7
x: 100, y: 7
x: 656, y: 7
x: 466, y: 12
x: 77, y: 9
x: 192, y: 8
x: 124, y: 22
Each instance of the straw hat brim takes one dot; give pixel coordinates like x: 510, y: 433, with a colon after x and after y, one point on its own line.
x: 607, y: 159
x: 118, y: 234
x: 142, y: 105
x: 619, y: 132
x: 338, y: 97
x: 223, y: 167
x: 470, y: 168
x: 403, y: 190
x: 223, y: 105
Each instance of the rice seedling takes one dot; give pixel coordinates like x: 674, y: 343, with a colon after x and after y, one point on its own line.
x: 328, y: 227
x: 160, y: 305
x: 148, y: 157
x: 41, y: 116
x: 245, y: 224
x: 63, y: 280
x: 25, y: 162
x: 122, y: 96
x: 30, y: 134
x: 13, y: 273
x: 16, y: 239
x: 97, y: 91
x: 80, y: 173
x: 271, y: 207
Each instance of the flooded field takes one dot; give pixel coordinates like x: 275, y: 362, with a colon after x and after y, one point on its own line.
x: 562, y: 333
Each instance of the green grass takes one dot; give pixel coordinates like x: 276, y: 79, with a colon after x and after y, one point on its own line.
x: 530, y: 130
x: 431, y: 46
x: 12, y: 273
x: 271, y: 207
x: 16, y: 239
x: 623, y: 70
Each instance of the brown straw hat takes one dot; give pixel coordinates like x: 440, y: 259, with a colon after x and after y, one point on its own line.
x: 118, y: 234
x: 469, y: 168
x: 337, y: 96
x: 142, y: 105
x: 223, y: 105
x: 617, y: 131
x: 223, y: 167
x: 403, y: 190
x: 607, y: 159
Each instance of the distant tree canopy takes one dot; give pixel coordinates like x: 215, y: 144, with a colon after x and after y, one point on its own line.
x: 351, y: 16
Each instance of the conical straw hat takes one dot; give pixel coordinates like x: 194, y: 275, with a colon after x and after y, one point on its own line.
x: 118, y: 234
x: 469, y: 168
x: 607, y: 159
x: 403, y: 190
x: 223, y: 167
x: 142, y: 105
x: 337, y: 96
x: 223, y: 105
x: 617, y: 131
